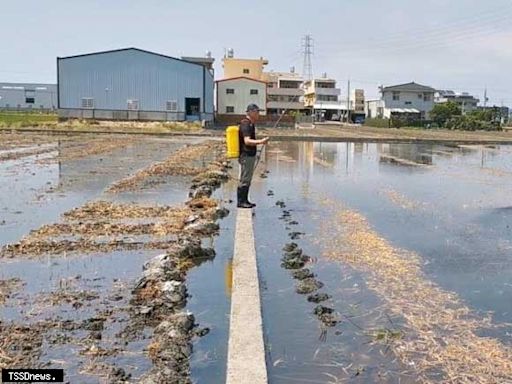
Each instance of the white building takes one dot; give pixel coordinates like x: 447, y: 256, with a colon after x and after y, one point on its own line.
x: 464, y: 100
x: 235, y: 94
x: 408, y: 101
x: 28, y: 96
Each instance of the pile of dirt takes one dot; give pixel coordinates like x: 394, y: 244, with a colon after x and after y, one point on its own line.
x: 20, y: 345
x: 296, y: 261
x: 7, y: 287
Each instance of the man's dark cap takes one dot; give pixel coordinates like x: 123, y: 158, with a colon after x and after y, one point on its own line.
x: 253, y: 107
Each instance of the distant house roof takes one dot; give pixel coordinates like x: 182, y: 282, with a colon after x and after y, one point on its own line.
x: 241, y: 77
x: 411, y: 87
x: 128, y: 49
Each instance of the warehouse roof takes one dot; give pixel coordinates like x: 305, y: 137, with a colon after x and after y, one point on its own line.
x: 127, y: 49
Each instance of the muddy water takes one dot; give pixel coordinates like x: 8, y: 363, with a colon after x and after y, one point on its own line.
x: 450, y: 205
x: 35, y: 190
x: 79, y: 288
x: 210, y: 288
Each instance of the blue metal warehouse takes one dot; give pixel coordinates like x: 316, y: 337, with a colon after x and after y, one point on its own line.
x: 28, y: 96
x: 133, y: 84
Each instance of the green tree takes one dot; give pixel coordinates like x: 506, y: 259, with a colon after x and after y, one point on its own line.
x: 441, y: 113
x: 491, y: 114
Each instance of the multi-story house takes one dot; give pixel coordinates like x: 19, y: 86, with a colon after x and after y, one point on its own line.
x: 407, y: 101
x: 285, y: 92
x: 322, y: 97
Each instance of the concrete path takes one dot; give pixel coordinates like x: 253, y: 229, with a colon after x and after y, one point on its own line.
x: 246, y: 353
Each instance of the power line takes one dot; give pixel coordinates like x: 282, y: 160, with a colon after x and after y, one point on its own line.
x: 445, y: 38
x: 443, y: 30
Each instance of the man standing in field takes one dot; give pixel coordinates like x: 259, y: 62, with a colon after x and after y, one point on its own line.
x: 248, y: 150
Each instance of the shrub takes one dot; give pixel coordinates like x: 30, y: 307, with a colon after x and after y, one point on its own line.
x: 376, y: 122
x: 471, y: 123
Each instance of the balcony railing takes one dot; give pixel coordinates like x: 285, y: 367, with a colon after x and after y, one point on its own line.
x: 285, y: 91
x: 284, y: 105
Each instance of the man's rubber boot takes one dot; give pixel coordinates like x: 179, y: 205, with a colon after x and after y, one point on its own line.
x: 242, y: 198
x: 247, y: 197
x: 238, y: 196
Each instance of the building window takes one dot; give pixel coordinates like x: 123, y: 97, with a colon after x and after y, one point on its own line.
x: 254, y: 91
x: 230, y: 91
x: 408, y: 103
x: 289, y: 84
x: 426, y: 97
x: 420, y: 96
x: 30, y: 96
x: 87, y: 102
x: 230, y: 109
x: 171, y: 105
x: 396, y: 95
x: 133, y: 105
x: 246, y: 70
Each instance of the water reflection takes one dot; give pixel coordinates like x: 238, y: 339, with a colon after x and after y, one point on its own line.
x: 456, y: 219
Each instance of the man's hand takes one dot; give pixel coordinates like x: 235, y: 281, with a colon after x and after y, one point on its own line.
x: 264, y: 141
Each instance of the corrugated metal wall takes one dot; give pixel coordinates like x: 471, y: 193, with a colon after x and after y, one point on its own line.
x: 209, y: 92
x: 15, y: 95
x: 113, y: 78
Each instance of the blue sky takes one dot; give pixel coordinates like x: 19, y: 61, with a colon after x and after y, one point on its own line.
x: 459, y: 44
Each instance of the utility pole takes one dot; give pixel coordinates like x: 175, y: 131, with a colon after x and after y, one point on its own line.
x: 485, y: 97
x: 348, y: 101
x: 502, y: 118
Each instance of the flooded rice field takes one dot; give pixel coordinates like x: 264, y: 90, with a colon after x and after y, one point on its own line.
x: 379, y: 263
x: 409, y: 249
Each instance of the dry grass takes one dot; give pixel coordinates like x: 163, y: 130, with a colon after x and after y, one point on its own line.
x: 442, y: 331
x: 369, y: 133
x: 19, y: 145
x: 96, y: 210
x: 92, y: 146
x: 401, y: 200
x: 93, y: 229
x: 180, y: 163
x: 103, y: 228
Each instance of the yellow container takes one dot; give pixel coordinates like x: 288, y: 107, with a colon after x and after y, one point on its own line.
x: 232, y: 142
